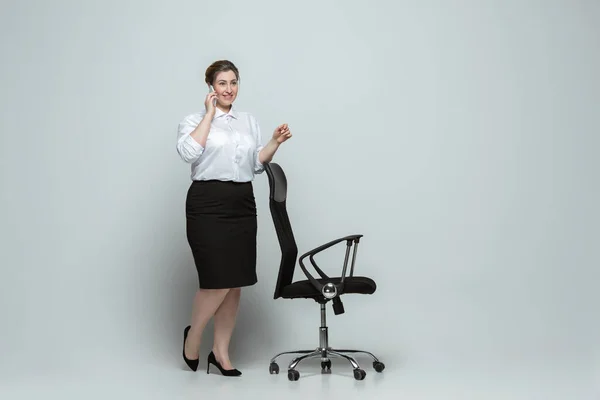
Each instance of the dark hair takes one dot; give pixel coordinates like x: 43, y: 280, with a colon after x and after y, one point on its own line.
x: 220, y: 66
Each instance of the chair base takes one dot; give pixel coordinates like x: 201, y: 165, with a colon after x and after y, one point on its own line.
x: 325, y: 353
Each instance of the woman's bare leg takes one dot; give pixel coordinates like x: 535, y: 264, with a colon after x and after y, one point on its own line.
x: 206, y: 303
x: 224, y: 321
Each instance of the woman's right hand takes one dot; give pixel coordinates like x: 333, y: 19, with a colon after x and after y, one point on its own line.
x: 209, y: 103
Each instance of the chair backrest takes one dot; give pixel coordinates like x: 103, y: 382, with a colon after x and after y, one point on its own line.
x: 283, y: 228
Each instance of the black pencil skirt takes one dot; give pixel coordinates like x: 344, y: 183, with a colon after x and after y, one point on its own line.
x: 221, y: 231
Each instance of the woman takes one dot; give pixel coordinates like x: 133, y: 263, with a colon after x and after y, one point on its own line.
x: 223, y: 146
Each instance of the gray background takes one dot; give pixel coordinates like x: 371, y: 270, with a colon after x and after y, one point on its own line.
x: 460, y: 138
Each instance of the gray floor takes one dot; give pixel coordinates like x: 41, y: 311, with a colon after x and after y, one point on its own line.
x: 425, y: 380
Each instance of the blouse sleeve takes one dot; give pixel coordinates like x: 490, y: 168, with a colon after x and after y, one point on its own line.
x: 189, y: 150
x: 258, y: 166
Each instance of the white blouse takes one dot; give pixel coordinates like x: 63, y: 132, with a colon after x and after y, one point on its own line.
x: 232, y: 147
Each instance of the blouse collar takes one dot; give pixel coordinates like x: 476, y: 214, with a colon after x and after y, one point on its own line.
x: 233, y: 112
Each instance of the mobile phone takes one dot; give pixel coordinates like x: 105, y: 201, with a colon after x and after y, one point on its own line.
x: 212, y: 89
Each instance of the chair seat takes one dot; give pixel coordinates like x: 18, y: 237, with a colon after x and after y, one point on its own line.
x: 305, y: 289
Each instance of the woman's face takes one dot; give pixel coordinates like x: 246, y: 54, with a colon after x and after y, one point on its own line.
x: 226, y: 87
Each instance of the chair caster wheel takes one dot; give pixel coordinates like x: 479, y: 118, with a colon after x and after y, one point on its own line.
x: 359, y: 374
x: 326, y: 367
x: 273, y: 368
x: 379, y: 366
x: 293, y: 375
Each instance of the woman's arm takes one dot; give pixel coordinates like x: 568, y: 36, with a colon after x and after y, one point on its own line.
x: 192, y: 136
x: 191, y: 139
x: 200, y: 134
x: 267, y: 152
x: 280, y: 135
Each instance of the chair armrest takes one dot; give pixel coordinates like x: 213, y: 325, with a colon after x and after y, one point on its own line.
x: 316, y: 267
x: 349, y: 240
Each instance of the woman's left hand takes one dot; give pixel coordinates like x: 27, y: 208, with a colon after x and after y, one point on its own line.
x: 282, y: 133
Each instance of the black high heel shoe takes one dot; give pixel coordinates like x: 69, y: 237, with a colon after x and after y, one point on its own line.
x: 225, y: 372
x: 193, y: 364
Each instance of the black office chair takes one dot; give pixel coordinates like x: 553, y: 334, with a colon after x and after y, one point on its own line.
x: 322, y: 290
